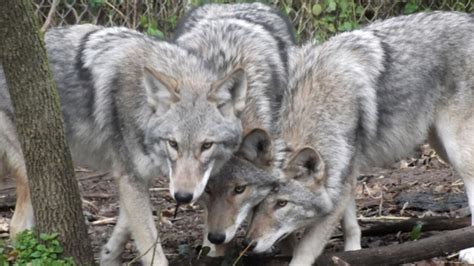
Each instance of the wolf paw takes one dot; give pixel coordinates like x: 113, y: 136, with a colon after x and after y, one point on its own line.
x: 109, y: 257
x: 467, y: 255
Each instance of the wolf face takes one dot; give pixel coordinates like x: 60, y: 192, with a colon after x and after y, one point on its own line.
x: 292, y: 205
x: 197, y: 132
x: 241, y: 184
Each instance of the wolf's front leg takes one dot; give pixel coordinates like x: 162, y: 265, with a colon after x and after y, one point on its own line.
x: 467, y: 255
x: 350, y: 227
x: 314, y: 240
x: 315, y: 237
x: 135, y: 201
x: 112, y: 251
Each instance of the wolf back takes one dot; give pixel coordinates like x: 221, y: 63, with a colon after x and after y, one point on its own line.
x: 256, y: 37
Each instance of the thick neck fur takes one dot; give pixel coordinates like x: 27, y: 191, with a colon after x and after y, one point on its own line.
x: 321, y: 107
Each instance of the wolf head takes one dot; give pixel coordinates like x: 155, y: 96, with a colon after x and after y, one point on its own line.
x: 294, y: 204
x: 241, y: 184
x: 196, y: 128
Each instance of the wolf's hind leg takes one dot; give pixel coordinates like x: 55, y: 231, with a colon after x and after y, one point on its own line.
x: 12, y: 161
x: 23, y: 217
x: 112, y: 251
x: 454, y: 141
x: 350, y: 227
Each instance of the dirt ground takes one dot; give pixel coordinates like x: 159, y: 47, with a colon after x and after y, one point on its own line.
x: 415, y: 187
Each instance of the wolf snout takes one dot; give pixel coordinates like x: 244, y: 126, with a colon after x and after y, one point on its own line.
x: 216, y: 238
x: 183, y: 197
x: 247, y: 242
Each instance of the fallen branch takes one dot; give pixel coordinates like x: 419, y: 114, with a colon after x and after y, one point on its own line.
x: 105, y: 221
x: 438, y: 245
x: 428, y: 224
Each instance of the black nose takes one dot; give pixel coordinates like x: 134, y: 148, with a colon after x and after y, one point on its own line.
x: 247, y: 241
x: 183, y: 197
x: 216, y: 238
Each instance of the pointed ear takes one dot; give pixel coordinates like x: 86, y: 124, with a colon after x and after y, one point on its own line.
x: 256, y: 147
x: 309, y: 162
x: 230, y: 93
x: 161, y: 89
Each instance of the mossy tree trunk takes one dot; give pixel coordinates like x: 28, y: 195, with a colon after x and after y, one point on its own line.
x: 39, y: 123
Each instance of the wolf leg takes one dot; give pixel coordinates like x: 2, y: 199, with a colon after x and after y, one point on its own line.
x: 23, y: 218
x: 112, y: 251
x: 351, y: 228
x: 315, y: 238
x: 135, y: 202
x: 454, y: 141
x: 13, y: 162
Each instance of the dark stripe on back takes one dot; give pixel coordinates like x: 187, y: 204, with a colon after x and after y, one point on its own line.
x: 83, y: 73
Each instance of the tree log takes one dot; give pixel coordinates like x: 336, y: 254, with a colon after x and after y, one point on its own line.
x: 428, y: 224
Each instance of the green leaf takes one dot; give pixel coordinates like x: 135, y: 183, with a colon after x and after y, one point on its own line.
x: 331, y: 6
x: 346, y: 26
x: 143, y: 21
x: 155, y: 32
x: 204, y: 251
x: 416, y: 232
x: 410, y: 7
x: 331, y: 27
x: 317, y: 9
x: 287, y: 9
x: 343, y: 4
x: 36, y: 254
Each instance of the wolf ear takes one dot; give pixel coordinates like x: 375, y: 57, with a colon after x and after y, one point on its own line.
x: 310, y: 162
x: 256, y: 147
x: 161, y: 89
x: 230, y: 93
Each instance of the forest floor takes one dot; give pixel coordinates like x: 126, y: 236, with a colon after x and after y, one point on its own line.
x: 418, y: 187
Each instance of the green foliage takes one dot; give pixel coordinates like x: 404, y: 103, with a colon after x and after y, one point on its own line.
x: 29, y: 249
x: 331, y: 16
x: 312, y: 19
x: 415, y: 233
x: 96, y: 4
x: 150, y: 27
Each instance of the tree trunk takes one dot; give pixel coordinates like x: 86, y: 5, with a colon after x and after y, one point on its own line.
x: 54, y: 190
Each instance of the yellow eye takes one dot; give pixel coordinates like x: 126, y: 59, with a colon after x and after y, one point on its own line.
x: 173, y: 144
x: 239, y: 189
x: 206, y: 146
x: 282, y: 203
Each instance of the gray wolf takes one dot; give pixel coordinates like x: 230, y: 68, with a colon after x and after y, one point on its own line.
x: 256, y: 38
x: 236, y: 39
x: 367, y: 98
x: 130, y: 103
x: 236, y: 189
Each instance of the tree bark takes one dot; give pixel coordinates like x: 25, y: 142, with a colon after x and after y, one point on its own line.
x: 40, y: 128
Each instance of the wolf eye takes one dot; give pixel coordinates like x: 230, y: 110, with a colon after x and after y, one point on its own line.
x: 239, y: 189
x: 173, y: 144
x: 281, y: 203
x: 206, y: 146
